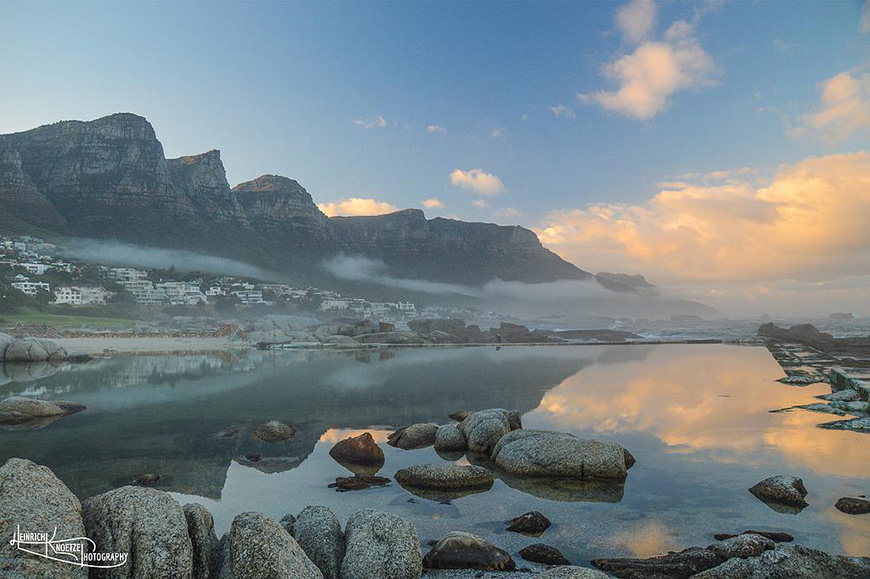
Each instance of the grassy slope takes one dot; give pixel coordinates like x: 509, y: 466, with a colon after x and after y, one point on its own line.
x: 32, y: 316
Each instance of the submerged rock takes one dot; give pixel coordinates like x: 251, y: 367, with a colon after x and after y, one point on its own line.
x: 448, y: 438
x: 853, y: 506
x: 414, y: 436
x: 200, y: 529
x: 274, y: 431
x: 466, y: 551
x: 146, y: 479
x: 541, y: 453
x: 319, y: 533
x: 445, y: 476
x: 146, y: 523
x: 34, y: 500
x: 358, y: 451
x: 787, y: 491
x: 531, y: 523
x: 380, y: 546
x: 260, y: 548
x: 571, y: 490
x: 358, y: 482
x: 23, y: 412
x: 544, y: 554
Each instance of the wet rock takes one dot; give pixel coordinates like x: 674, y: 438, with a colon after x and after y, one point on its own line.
x: 466, y: 551
x: 146, y: 479
x: 775, y: 536
x: 449, y: 438
x: 673, y: 565
x: 319, y: 533
x: 485, y: 428
x: 531, y: 523
x: 288, y: 521
x: 359, y: 450
x: 200, y: 529
x: 358, y: 482
x: 571, y: 573
x: 541, y: 453
x: 788, y: 491
x: 847, y: 395
x: 274, y: 431
x: 34, y: 350
x: 544, y: 554
x: 856, y: 425
x: 791, y: 562
x: 630, y: 461
x: 260, y: 548
x: 35, y: 500
x: 230, y: 432
x: 380, y: 546
x: 445, y: 476
x: 854, y: 407
x: 414, y: 436
x: 742, y: 546
x: 460, y: 415
x: 24, y: 412
x: 853, y: 506
x: 146, y: 523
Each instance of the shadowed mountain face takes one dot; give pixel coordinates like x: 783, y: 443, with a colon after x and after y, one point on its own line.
x: 109, y: 178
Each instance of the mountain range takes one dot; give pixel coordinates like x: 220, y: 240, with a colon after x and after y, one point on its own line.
x: 109, y: 179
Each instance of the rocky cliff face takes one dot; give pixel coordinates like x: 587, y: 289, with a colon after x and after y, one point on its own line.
x: 109, y: 178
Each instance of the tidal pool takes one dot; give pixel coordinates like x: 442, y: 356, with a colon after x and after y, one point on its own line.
x: 696, y: 418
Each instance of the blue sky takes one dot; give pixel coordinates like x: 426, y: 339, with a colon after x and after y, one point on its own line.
x: 340, y: 95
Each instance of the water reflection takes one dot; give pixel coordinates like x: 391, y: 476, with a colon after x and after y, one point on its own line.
x: 695, y: 417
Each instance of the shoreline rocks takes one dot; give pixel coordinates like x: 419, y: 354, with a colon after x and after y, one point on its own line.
x: 853, y: 506
x: 23, y: 350
x: 260, y: 548
x: 781, y: 493
x: 30, y: 413
x: 380, y: 546
x: 445, y: 476
x: 460, y: 550
x: 274, y: 431
x: 358, y: 453
x: 319, y: 533
x: 483, y: 429
x: 540, y: 453
x: 448, y: 438
x: 544, y: 554
x: 531, y: 523
x: 200, y: 529
x: 414, y: 436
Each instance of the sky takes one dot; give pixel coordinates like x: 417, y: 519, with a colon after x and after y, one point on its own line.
x: 720, y: 148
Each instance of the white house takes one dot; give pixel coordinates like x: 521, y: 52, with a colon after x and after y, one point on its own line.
x: 68, y: 295
x: 29, y: 287
x: 35, y: 268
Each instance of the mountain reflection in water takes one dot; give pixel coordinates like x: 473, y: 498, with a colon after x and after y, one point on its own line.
x: 696, y: 418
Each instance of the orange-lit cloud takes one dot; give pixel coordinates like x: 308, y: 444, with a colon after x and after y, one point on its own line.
x: 808, y: 222
x: 845, y: 108
x: 357, y: 206
x: 478, y: 181
x: 432, y: 203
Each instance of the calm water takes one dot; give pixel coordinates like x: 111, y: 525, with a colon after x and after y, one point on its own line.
x: 695, y: 417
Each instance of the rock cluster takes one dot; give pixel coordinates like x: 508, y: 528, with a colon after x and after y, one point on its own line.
x: 25, y: 350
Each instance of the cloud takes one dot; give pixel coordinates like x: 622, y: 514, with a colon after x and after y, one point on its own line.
x: 357, y: 206
x: 436, y: 129
x: 563, y: 111
x: 432, y: 203
x: 373, y: 123
x: 784, y: 47
x: 864, y: 25
x: 479, y: 203
x: 508, y: 212
x: 478, y: 181
x: 654, y: 72
x: 496, y: 132
x: 807, y: 223
x: 845, y: 108
x: 636, y: 19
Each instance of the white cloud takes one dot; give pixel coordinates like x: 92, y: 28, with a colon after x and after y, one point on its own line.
x: 654, y: 72
x: 436, y: 129
x: 563, y: 111
x: 479, y: 203
x: 508, y: 212
x: 478, y: 181
x: 636, y: 19
x: 357, y: 206
x: 432, y: 203
x: 845, y: 108
x: 808, y: 222
x: 373, y: 123
x: 496, y: 132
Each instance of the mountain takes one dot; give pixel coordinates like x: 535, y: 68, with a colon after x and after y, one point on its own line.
x: 109, y: 178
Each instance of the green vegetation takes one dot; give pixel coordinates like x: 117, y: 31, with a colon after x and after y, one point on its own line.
x: 29, y: 315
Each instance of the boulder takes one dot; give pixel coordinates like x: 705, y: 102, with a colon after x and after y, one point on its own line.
x: 319, y: 533
x: 460, y: 415
x: 34, y: 350
x: 853, y: 506
x: 531, y: 523
x: 414, y: 436
x: 775, y: 536
x: 448, y: 438
x: 791, y: 562
x: 358, y: 482
x: 274, y: 431
x: 5, y: 340
x: 788, y: 491
x: 146, y: 523
x: 484, y: 428
x: 466, y: 551
x: 544, y: 554
x: 288, y: 521
x: 679, y: 565
x: 445, y: 476
x: 742, y: 546
x: 559, y: 454
x: 571, y: 572
x: 36, y: 501
x: 24, y: 412
x: 358, y: 450
x: 200, y: 529
x: 146, y: 480
x: 258, y: 547
x: 380, y: 546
